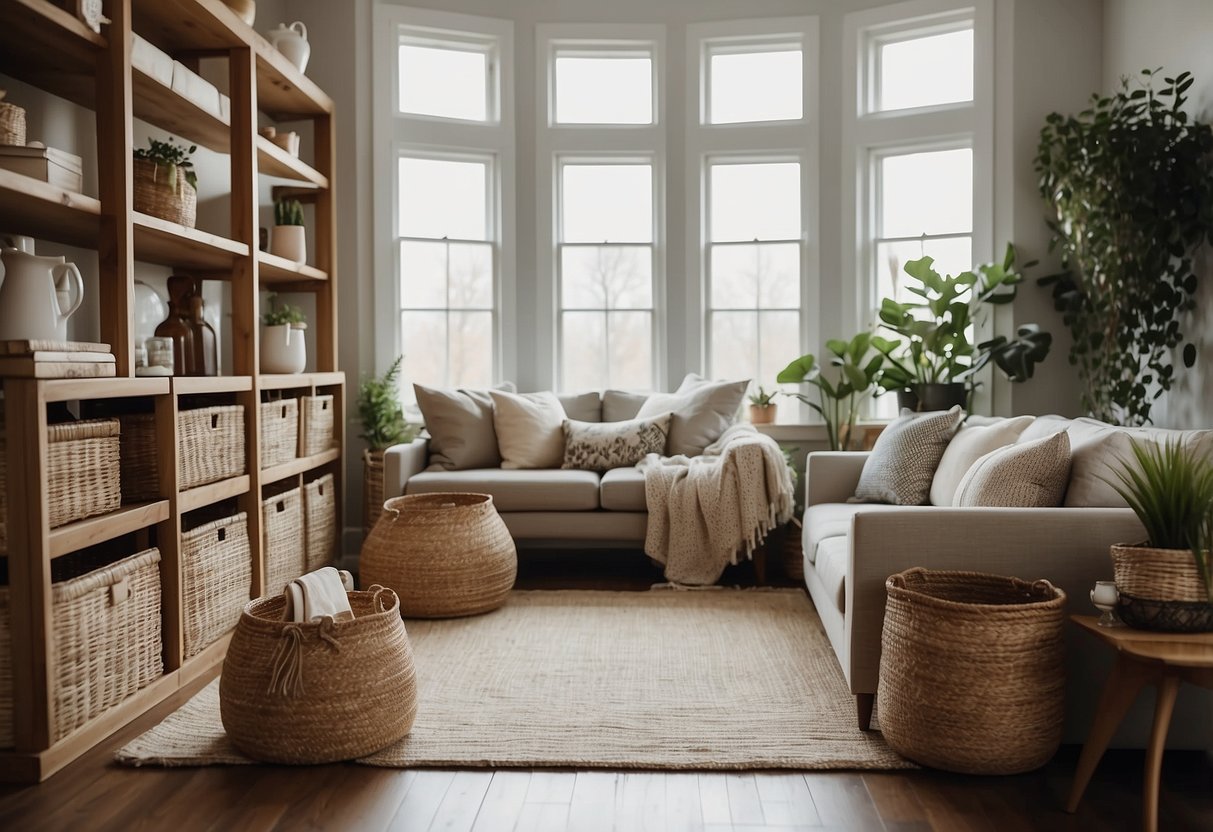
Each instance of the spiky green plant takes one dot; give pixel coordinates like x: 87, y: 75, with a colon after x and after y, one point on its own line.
x: 762, y: 398
x: 383, y: 422
x: 277, y: 315
x: 1170, y: 489
x: 288, y: 212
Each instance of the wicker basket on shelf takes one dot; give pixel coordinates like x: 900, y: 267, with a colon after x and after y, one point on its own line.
x: 210, y: 444
x: 317, y: 424
x: 318, y: 692
x: 972, y: 678
x: 216, y: 578
x: 140, y: 476
x: 282, y: 525
x: 156, y: 196
x: 279, y: 432
x: 1160, y: 589
x: 83, y: 470
x: 12, y: 123
x: 320, y: 522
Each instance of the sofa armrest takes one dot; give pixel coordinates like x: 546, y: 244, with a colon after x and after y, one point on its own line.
x: 402, y: 462
x: 831, y: 476
x: 1066, y: 546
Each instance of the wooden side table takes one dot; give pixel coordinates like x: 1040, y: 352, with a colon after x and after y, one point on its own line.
x: 1142, y: 658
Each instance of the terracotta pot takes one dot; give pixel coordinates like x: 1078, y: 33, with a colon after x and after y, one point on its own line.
x: 290, y: 242
x: 760, y: 415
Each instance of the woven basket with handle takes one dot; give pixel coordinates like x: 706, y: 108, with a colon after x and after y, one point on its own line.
x: 83, y: 471
x: 320, y: 520
x: 372, y: 488
x: 1160, y: 589
x: 282, y: 525
x: 155, y: 195
x: 971, y: 671
x: 279, y: 431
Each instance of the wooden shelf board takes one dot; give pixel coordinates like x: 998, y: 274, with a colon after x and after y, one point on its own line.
x: 298, y: 466
x: 172, y: 244
x: 272, y: 160
x: 205, y: 495
x: 35, y: 208
x: 71, y: 389
x: 284, y: 381
x: 189, y: 25
x: 282, y: 90
x: 50, y: 48
x: 187, y: 385
x: 163, y: 107
x: 334, y: 379
x: 93, y: 530
x: 275, y: 269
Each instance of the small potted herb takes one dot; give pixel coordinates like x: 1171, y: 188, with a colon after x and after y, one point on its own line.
x: 283, y: 349
x: 165, y: 183
x: 289, y: 239
x: 763, y: 408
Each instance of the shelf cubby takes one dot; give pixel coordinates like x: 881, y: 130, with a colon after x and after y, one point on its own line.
x: 38, y: 209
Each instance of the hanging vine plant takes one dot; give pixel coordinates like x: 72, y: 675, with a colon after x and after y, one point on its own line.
x: 1129, y: 182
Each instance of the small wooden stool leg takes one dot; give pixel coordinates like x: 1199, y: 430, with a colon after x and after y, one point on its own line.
x: 1168, y: 686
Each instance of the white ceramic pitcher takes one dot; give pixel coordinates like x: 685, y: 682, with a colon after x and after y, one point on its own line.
x: 30, y: 306
x: 291, y: 41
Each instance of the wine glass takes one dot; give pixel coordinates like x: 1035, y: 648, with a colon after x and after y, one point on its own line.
x: 1104, y: 597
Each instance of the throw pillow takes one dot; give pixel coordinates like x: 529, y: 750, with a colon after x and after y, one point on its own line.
x: 620, y: 405
x: 902, y: 463
x: 528, y: 429
x: 601, y: 446
x: 460, y: 424
x: 702, y: 410
x: 583, y: 407
x: 1028, y: 475
x: 970, y: 444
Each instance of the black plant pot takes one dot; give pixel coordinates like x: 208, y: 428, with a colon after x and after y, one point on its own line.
x: 927, y: 397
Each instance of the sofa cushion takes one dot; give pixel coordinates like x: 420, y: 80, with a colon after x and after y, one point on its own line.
x: 620, y: 405
x: 1028, y: 475
x: 527, y: 490
x: 833, y: 560
x: 602, y: 446
x: 528, y: 426
x: 460, y: 424
x: 824, y: 521
x: 623, y: 490
x: 971, y: 443
x: 702, y: 410
x: 584, y: 407
x: 902, y: 464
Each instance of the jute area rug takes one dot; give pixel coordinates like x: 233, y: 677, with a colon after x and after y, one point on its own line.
x: 724, y: 679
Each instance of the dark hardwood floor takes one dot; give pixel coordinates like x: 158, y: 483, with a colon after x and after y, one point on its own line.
x: 94, y: 794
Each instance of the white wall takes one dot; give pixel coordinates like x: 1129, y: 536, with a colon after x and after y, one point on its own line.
x: 1174, y: 35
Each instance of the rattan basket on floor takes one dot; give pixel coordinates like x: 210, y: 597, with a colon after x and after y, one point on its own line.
x: 282, y: 526
x: 210, y: 444
x: 318, y: 693
x: 216, y: 578
x: 83, y: 470
x: 317, y: 416
x: 446, y: 555
x: 320, y: 522
x: 154, y: 195
x: 971, y: 671
x: 279, y: 431
x: 1160, y: 589
x: 372, y: 488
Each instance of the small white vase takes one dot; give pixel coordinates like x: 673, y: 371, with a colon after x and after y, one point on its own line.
x: 290, y: 242
x: 283, y: 349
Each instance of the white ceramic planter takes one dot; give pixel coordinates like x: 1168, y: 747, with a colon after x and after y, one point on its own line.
x: 290, y: 241
x: 283, y: 349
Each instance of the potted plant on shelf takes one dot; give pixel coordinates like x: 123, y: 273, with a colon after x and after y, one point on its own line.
x: 283, y: 349
x: 383, y: 425
x: 859, y: 362
x: 165, y: 184
x: 938, y: 365
x: 290, y: 238
x: 1129, y: 185
x: 763, y: 408
x: 1166, y: 583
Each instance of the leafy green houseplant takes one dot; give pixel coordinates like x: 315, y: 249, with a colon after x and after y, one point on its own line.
x: 383, y: 425
x: 165, y: 183
x: 858, y: 364
x: 1167, y: 582
x: 938, y: 325
x: 290, y: 237
x: 169, y: 157
x: 1129, y: 185
x: 763, y: 408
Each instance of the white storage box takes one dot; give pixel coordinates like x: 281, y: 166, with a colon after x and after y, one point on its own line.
x: 56, y: 167
x: 151, y: 61
x: 193, y: 87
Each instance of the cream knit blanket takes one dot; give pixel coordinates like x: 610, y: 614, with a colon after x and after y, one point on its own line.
x: 704, y: 511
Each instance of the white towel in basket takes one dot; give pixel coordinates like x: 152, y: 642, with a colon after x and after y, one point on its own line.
x: 318, y: 594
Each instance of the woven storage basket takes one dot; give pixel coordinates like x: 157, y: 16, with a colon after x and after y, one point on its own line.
x: 971, y: 671
x: 216, y: 577
x: 793, y: 550
x: 282, y: 524
x: 322, y: 692
x: 210, y: 444
x: 446, y: 555
x: 279, y: 432
x: 12, y: 124
x: 372, y: 489
x: 317, y: 424
x: 320, y: 521
x: 3, y: 487
x: 106, y: 636
x: 83, y: 471
x: 140, y: 478
x: 1160, y: 589
x: 155, y: 196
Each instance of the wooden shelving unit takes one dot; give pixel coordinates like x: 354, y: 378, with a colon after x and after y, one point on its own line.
x: 47, y: 47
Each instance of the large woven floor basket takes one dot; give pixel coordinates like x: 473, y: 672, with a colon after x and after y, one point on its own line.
x: 322, y: 692
x: 972, y: 678
x: 1161, y: 589
x: 446, y: 555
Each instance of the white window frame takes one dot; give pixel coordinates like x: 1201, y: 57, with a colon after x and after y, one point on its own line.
x: 399, y: 134
x: 556, y: 144
x: 790, y: 140
x: 869, y: 134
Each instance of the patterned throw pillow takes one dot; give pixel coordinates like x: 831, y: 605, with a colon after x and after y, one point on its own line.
x: 1029, y: 475
x: 902, y: 464
x: 601, y: 446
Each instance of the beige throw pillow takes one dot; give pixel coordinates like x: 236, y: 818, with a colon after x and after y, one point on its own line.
x: 902, y: 463
x: 702, y: 410
x: 1027, y: 475
x: 601, y: 446
x: 460, y: 424
x: 971, y: 443
x: 621, y: 405
x: 528, y: 425
x: 582, y: 407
